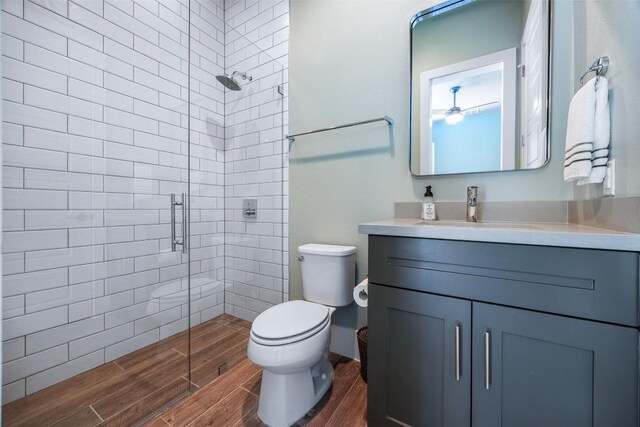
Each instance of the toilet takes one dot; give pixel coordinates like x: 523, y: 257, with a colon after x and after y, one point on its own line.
x: 290, y: 341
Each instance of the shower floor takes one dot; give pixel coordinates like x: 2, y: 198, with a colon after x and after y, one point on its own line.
x: 128, y: 390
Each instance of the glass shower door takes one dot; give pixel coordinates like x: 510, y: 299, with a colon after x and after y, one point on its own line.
x: 236, y: 156
x: 96, y: 163
x: 206, y: 192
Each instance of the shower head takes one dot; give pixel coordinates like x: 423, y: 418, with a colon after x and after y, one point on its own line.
x: 230, y: 82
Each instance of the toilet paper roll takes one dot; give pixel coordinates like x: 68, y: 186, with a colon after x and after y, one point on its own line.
x: 361, y: 293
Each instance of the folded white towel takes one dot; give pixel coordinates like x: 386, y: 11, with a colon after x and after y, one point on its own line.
x: 600, y: 154
x: 580, y: 133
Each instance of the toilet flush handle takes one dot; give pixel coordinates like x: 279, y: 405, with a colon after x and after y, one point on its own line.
x: 301, y: 258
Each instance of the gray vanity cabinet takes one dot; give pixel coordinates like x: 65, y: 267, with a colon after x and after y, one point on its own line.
x: 546, y: 370
x: 420, y: 367
x: 468, y: 334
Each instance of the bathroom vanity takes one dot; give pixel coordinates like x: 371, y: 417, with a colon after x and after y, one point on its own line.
x: 502, y: 325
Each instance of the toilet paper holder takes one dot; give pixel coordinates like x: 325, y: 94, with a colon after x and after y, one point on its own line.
x: 360, y: 292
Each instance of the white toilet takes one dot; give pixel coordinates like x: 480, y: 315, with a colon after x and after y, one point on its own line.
x: 290, y: 341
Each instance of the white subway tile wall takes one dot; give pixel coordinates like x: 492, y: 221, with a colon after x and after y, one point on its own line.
x: 95, y: 140
x: 256, y: 259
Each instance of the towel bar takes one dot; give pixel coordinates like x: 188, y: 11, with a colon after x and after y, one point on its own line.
x: 387, y: 119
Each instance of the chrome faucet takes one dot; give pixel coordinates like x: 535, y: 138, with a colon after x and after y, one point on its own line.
x: 472, y: 204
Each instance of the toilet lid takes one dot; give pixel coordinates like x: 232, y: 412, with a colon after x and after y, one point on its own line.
x: 293, y: 319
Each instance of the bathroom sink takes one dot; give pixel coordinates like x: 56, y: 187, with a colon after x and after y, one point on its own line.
x: 464, y: 224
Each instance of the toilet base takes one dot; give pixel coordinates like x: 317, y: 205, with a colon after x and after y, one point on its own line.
x: 285, y: 398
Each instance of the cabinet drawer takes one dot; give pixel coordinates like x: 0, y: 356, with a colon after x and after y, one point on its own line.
x: 591, y: 284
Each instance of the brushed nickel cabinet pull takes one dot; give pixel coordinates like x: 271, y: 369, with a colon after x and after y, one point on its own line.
x: 487, y: 359
x: 458, y: 367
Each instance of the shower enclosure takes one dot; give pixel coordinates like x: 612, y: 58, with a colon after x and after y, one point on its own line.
x: 126, y: 254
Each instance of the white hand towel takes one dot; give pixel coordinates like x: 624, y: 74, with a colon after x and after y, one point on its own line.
x: 580, y: 133
x: 600, y: 154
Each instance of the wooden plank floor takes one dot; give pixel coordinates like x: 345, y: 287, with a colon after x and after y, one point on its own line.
x: 128, y: 390
x: 232, y: 400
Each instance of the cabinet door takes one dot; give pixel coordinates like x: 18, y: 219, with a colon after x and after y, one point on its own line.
x: 419, y: 359
x: 536, y: 369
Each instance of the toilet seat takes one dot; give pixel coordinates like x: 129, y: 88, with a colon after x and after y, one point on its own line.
x: 289, y: 322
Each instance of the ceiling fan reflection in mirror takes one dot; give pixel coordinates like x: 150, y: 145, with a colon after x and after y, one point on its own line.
x: 455, y: 114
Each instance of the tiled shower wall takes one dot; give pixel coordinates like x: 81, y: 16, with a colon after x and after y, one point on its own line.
x: 95, y: 140
x: 256, y: 264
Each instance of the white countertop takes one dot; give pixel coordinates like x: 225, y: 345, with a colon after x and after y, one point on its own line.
x: 542, y: 234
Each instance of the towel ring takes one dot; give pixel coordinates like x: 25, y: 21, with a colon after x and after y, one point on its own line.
x: 599, y: 66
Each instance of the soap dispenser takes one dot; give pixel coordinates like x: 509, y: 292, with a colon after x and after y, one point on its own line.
x: 428, y: 206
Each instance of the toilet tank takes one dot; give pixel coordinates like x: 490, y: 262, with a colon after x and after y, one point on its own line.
x: 328, y: 273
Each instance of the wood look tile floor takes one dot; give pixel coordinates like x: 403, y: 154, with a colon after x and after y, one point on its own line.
x: 225, y: 387
x: 232, y: 400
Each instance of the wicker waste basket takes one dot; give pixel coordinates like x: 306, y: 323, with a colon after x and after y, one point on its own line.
x: 363, y: 341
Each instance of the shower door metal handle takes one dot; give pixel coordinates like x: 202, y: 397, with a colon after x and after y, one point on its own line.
x: 174, y: 240
x: 185, y: 239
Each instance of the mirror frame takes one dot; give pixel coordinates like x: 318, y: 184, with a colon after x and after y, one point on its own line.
x: 447, y: 6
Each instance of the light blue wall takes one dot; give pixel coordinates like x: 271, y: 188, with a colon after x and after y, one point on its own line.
x: 349, y: 61
x: 471, y: 145
x: 612, y: 28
